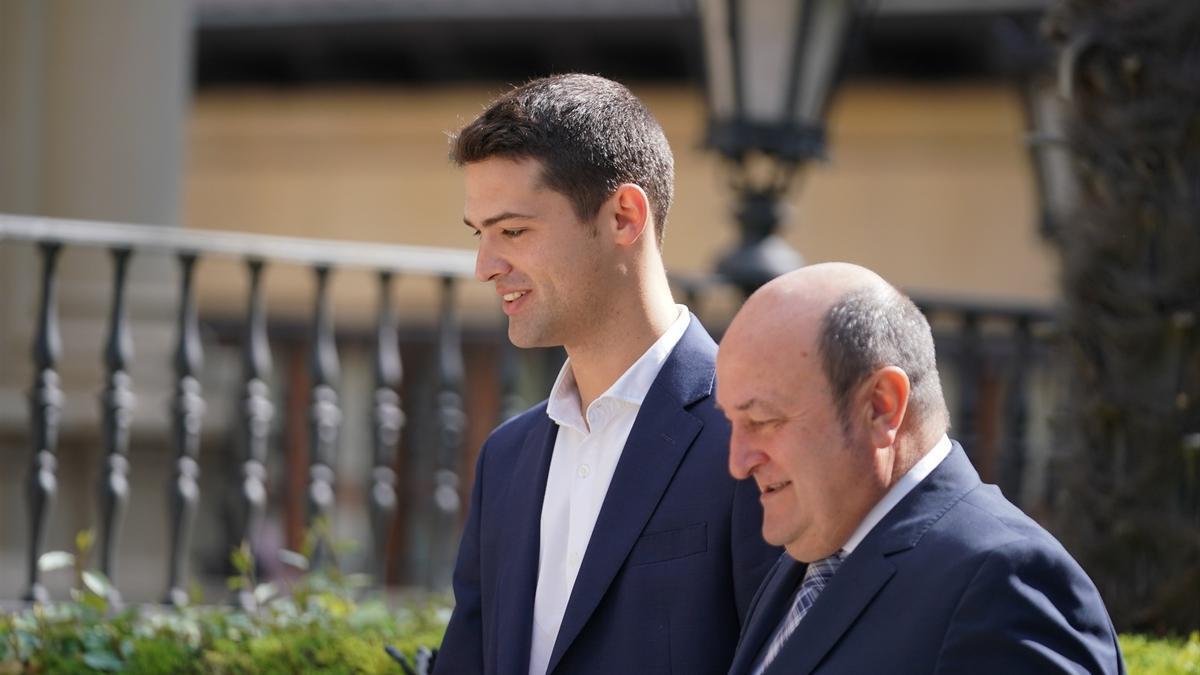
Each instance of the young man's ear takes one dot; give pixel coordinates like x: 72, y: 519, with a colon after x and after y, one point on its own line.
x: 884, y: 404
x: 631, y: 214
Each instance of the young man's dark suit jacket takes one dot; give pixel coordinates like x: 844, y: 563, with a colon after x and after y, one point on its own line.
x: 955, y: 579
x: 673, y: 561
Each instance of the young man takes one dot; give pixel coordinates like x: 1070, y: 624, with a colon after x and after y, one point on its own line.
x: 604, y: 533
x: 899, y: 560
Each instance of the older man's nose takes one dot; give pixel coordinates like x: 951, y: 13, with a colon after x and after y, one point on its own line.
x: 743, y: 457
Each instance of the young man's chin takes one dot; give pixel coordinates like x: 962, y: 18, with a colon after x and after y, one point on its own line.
x: 525, y: 339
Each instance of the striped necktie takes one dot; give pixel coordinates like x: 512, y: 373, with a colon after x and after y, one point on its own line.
x: 815, y: 578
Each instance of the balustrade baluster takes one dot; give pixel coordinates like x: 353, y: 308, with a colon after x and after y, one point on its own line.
x: 452, y: 423
x: 553, y: 359
x: 1016, y: 409
x: 969, y: 372
x: 511, y: 403
x: 387, y: 419
x: 45, y: 403
x: 187, y: 411
x: 691, y: 297
x: 116, y: 402
x: 256, y: 412
x: 325, y: 417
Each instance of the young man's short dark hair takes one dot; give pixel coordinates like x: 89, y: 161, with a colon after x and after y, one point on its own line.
x: 590, y: 134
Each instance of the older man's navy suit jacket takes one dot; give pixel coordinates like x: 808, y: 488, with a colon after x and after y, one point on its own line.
x: 673, y: 561
x: 955, y: 579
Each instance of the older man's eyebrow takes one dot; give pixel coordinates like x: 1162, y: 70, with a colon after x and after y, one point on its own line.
x: 488, y: 222
x: 759, y: 404
x: 746, y: 405
x: 739, y: 407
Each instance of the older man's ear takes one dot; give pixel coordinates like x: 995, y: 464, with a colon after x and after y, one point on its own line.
x: 886, y: 392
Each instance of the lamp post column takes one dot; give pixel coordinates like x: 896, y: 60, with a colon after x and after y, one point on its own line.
x: 771, y: 66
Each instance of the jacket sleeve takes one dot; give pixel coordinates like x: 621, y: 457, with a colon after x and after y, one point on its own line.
x: 461, y: 652
x: 752, y: 557
x: 1030, y: 609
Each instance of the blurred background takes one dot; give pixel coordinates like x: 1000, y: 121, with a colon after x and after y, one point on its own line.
x: 329, y: 119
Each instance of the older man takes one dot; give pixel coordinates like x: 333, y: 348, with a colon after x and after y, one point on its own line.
x: 899, y: 559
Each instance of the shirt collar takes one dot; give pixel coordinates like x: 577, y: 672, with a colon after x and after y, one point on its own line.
x: 563, y: 405
x: 907, y: 482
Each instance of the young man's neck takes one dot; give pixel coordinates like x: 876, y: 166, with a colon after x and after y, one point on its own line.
x: 628, y: 330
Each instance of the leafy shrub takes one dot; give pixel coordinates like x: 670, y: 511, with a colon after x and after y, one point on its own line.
x: 329, y: 635
x: 1158, y: 656
x: 316, y: 626
x: 324, y: 634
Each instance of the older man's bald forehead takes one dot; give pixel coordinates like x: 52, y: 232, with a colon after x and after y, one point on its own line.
x: 793, y: 304
x: 823, y: 284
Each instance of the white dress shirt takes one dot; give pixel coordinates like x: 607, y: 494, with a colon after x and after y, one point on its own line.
x: 586, y: 453
x: 907, y: 482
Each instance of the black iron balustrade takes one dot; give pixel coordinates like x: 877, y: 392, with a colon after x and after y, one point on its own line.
x: 45, y: 402
x: 117, y: 403
x: 452, y: 422
x: 993, y: 356
x: 994, y: 350
x: 255, y: 412
x: 256, y: 408
x: 387, y: 419
x: 187, y: 408
x: 325, y: 417
x: 1016, y: 407
x: 511, y: 402
x: 968, y: 365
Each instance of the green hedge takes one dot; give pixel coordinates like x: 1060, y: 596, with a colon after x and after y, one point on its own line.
x: 323, y: 633
x: 314, y: 625
x: 1156, y: 656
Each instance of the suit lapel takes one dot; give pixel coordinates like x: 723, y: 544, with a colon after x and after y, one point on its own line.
x: 868, y: 569
x: 661, y: 436
x: 767, y: 611
x: 517, y: 577
x: 852, y: 588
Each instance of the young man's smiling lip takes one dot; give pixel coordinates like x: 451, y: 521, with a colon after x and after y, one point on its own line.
x: 772, y: 488
x: 512, y: 299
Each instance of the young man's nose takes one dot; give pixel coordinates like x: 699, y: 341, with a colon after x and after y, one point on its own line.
x: 488, y: 266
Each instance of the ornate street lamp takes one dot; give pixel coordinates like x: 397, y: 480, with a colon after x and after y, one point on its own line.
x: 771, y: 67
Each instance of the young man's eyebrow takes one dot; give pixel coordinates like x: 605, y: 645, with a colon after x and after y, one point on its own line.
x: 487, y: 222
